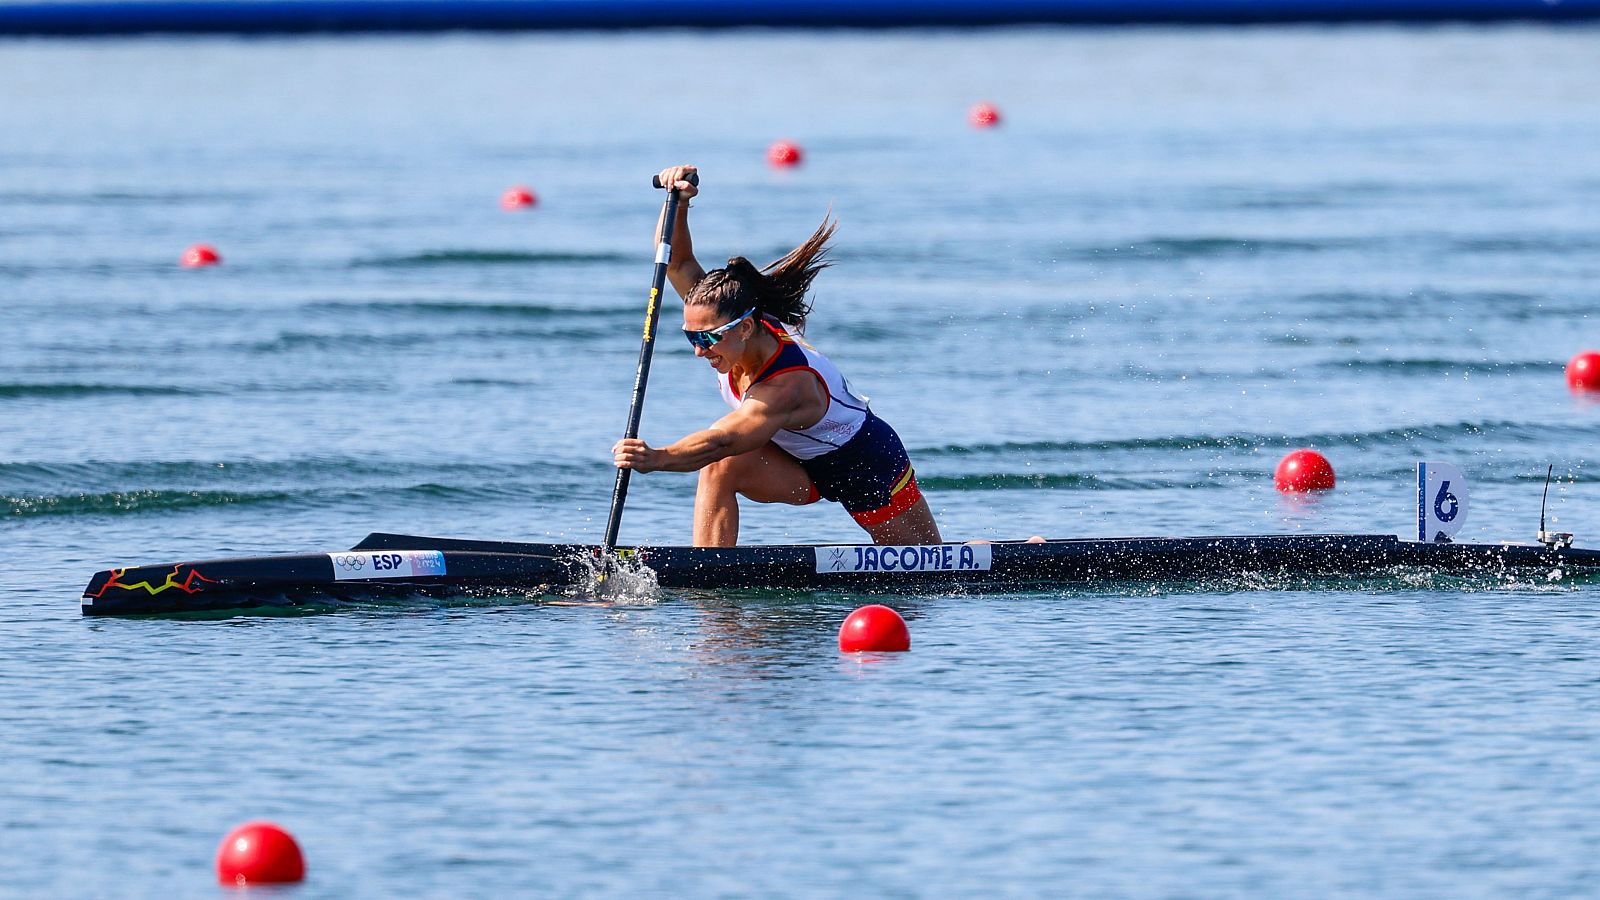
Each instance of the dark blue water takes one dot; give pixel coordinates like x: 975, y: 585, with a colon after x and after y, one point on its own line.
x: 1183, y: 254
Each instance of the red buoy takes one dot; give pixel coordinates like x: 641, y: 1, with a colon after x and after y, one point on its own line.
x: 518, y: 197
x: 200, y: 255
x: 1583, y: 372
x: 984, y: 115
x: 1304, y: 470
x: 874, y: 628
x: 259, y: 853
x: 784, y: 154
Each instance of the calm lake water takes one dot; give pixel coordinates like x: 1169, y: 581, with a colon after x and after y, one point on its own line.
x: 1183, y: 254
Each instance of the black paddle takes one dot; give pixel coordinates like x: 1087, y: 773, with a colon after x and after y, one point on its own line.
x: 641, y: 376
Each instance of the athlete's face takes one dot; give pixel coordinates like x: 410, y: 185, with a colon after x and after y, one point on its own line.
x: 730, y: 344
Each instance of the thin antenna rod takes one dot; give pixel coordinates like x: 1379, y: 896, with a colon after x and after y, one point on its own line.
x: 1546, y: 497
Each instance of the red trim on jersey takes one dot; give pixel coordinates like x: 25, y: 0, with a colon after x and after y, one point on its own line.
x: 760, y: 373
x: 820, y: 380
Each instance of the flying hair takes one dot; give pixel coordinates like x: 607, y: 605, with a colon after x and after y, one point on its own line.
x: 779, y: 290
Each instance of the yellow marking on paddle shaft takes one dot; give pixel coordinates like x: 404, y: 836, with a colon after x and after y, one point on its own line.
x: 650, y: 312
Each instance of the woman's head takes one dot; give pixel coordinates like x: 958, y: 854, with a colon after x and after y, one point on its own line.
x: 778, y: 291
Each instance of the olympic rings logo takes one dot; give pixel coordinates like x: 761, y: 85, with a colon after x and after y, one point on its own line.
x: 350, y: 563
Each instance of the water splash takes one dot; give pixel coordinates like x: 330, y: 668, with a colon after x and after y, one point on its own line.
x: 617, y: 580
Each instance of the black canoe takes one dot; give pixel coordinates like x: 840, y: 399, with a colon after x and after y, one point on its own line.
x: 402, y: 565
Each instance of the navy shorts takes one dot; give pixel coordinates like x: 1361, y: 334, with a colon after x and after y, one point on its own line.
x: 870, y: 475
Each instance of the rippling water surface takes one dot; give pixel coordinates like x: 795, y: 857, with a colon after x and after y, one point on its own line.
x: 1184, y: 253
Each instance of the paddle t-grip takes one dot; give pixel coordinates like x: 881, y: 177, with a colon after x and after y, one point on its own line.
x: 693, y: 178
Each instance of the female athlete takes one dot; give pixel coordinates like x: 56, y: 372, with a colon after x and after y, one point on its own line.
x: 797, y: 432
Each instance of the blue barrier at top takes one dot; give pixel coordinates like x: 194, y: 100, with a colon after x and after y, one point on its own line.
x: 288, y: 16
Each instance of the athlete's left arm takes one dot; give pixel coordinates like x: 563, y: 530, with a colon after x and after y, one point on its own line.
x: 768, y: 407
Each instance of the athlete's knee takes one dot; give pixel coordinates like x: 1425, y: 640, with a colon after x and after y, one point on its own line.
x: 726, y: 474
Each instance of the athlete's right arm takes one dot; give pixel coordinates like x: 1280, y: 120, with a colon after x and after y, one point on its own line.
x: 682, y: 268
x: 785, y: 401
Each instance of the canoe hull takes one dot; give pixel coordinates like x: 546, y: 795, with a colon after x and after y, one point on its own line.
x: 401, y: 565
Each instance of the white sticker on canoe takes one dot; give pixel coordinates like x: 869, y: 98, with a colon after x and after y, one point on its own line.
x: 915, y: 558
x: 367, y: 564
x: 1441, y: 501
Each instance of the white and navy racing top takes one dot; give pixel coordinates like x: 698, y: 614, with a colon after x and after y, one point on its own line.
x: 846, y: 413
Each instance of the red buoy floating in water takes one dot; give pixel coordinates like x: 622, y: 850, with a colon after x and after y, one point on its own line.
x: 518, y: 197
x: 200, y: 255
x: 259, y: 853
x: 1304, y: 470
x: 1583, y: 372
x: 784, y: 154
x: 874, y: 628
x: 984, y: 115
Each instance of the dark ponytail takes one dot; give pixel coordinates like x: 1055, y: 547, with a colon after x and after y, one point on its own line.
x: 778, y: 291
